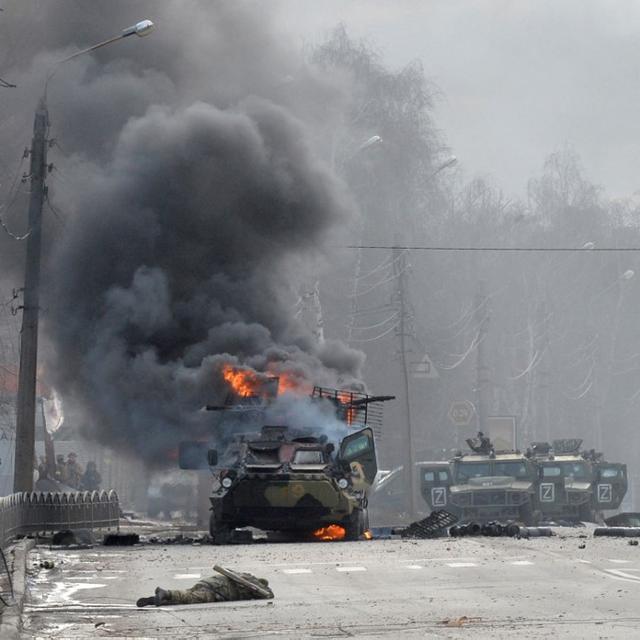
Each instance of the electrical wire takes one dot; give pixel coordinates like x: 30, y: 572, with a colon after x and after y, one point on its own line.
x: 385, y: 263
x: 55, y: 211
x: 532, y: 365
x: 377, y: 285
x: 388, y: 247
x: 379, y: 324
x: 474, y: 343
x: 382, y: 335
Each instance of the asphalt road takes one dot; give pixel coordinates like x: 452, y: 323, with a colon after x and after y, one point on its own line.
x: 446, y: 588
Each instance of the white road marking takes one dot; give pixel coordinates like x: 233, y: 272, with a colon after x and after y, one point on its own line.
x: 457, y: 565
x: 187, y: 576
x: 584, y: 561
x: 296, y: 571
x: 72, y: 579
x: 619, y: 561
x: 293, y: 564
x: 621, y: 575
x: 522, y: 563
x: 349, y: 569
x: 438, y: 559
x: 414, y: 566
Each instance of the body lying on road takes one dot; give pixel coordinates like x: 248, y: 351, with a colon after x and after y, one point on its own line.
x: 218, y: 588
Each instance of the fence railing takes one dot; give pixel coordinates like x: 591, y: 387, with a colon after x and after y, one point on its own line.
x: 23, y: 513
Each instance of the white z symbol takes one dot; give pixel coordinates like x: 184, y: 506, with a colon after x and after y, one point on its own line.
x: 547, y: 492
x: 604, y: 493
x: 439, y: 496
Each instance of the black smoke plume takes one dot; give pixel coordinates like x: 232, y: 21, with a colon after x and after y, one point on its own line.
x: 197, y: 206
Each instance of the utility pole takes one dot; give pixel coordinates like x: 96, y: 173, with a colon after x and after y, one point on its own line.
x: 543, y: 422
x: 26, y: 410
x: 400, y: 272
x: 483, y: 381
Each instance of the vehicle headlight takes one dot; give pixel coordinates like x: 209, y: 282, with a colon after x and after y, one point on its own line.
x: 226, y: 482
x: 343, y: 483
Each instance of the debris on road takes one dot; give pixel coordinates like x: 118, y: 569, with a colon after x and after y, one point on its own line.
x: 121, y: 539
x: 459, y: 622
x: 626, y: 519
x: 496, y: 529
x: 178, y: 540
x: 617, y: 532
x: 433, y: 526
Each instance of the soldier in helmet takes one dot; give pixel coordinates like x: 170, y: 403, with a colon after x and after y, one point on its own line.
x: 219, y: 588
x: 74, y: 471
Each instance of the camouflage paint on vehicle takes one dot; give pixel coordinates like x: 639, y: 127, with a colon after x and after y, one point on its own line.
x: 576, y: 485
x: 495, y: 486
x: 280, y: 480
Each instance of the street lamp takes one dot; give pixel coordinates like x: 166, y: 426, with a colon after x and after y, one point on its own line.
x: 445, y: 165
x: 26, y: 402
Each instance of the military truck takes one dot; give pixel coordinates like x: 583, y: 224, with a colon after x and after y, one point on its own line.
x: 482, y: 486
x: 435, y: 481
x: 284, y: 478
x: 575, y: 485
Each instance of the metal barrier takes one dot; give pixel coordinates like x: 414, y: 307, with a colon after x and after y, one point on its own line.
x: 23, y: 513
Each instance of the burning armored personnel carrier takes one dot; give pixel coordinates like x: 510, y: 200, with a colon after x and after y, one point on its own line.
x: 294, y: 478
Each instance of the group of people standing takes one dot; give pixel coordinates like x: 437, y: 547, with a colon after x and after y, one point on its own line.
x: 70, y: 473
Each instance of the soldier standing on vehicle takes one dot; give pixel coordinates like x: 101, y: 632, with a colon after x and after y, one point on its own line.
x: 217, y: 588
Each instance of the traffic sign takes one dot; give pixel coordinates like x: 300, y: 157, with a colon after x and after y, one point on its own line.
x: 461, y: 413
x: 424, y: 368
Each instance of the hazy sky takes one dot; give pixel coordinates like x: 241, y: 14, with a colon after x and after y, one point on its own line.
x: 519, y: 79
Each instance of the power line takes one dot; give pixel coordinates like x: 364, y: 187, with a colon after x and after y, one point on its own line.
x: 388, y: 247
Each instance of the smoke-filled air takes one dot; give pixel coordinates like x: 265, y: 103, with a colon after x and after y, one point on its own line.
x: 232, y: 192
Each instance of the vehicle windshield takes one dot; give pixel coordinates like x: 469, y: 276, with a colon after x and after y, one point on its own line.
x: 576, y: 470
x: 515, y: 469
x: 303, y: 456
x: 468, y: 470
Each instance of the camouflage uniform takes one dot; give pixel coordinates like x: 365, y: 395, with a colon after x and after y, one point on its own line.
x: 212, y: 589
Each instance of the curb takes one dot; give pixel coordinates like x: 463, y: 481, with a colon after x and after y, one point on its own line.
x: 10, y: 620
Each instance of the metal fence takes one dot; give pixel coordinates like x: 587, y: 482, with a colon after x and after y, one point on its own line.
x: 23, y: 513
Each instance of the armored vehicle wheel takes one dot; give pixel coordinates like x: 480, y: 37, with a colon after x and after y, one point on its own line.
x: 527, y: 515
x: 220, y: 534
x: 587, y: 514
x: 355, y: 527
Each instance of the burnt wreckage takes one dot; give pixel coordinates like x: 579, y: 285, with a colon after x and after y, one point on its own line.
x: 282, y: 477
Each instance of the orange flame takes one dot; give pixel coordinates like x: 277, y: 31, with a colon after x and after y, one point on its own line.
x: 346, y: 398
x: 331, y: 532
x: 367, y: 535
x: 244, y: 382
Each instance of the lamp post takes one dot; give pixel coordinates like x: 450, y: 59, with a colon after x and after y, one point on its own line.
x: 26, y: 402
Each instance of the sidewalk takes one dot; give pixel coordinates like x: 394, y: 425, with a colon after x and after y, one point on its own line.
x: 16, y: 556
